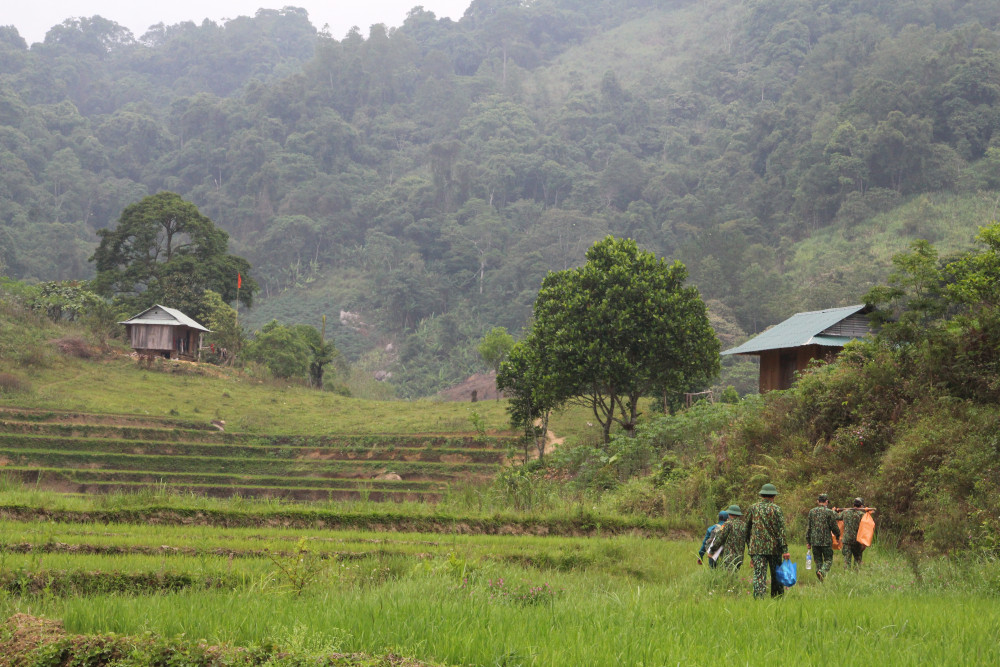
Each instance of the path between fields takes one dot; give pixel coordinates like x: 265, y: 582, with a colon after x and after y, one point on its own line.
x: 551, y: 441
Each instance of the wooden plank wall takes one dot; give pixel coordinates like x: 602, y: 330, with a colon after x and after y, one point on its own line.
x: 770, y: 370
x: 777, y: 375
x: 152, y: 337
x: 856, y: 326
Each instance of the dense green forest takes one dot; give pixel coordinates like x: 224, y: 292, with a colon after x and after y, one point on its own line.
x: 427, y: 177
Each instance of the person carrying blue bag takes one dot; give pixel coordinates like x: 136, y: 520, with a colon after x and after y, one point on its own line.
x: 768, y: 547
x: 786, y: 573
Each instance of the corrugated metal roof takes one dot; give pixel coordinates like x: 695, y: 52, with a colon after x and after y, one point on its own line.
x: 179, y: 319
x: 800, y: 329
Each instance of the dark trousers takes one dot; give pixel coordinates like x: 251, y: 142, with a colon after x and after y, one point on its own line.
x: 762, y: 565
x: 823, y: 558
x: 853, y: 550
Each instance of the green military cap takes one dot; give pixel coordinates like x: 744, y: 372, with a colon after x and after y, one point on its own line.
x: 768, y: 490
x: 734, y: 510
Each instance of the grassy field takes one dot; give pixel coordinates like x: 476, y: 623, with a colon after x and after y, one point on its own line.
x: 110, y: 425
x: 487, y: 600
x: 201, y: 394
x: 198, y: 394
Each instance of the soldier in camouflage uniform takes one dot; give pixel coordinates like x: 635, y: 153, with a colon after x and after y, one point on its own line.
x: 852, y: 519
x: 732, y: 539
x: 819, y: 535
x: 765, y: 535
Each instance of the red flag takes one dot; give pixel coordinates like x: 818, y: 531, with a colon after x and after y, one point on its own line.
x: 239, y: 280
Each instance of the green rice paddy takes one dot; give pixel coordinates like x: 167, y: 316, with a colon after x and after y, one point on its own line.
x: 484, y: 600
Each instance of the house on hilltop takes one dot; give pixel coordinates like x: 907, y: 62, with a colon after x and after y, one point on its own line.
x: 789, y: 346
x: 165, y: 332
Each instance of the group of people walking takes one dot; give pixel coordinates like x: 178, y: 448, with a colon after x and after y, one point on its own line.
x: 761, y: 533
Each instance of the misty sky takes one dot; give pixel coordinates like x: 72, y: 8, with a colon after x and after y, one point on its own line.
x: 33, y: 19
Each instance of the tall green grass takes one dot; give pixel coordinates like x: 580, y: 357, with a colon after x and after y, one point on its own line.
x: 445, y: 611
x: 572, y: 601
x: 463, y: 506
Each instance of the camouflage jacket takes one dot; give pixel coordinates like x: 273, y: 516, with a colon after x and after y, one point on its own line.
x: 822, y: 522
x: 851, y: 518
x: 733, y: 540
x: 765, y: 528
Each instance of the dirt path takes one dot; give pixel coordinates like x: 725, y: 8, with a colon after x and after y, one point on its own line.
x: 551, y: 441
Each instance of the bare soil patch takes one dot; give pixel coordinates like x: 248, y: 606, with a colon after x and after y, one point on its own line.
x: 483, y: 384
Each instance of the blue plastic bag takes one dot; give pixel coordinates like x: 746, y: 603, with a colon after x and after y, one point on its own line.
x: 786, y: 573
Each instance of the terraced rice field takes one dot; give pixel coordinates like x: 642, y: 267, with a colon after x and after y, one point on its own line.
x: 262, y: 594
x: 93, y: 453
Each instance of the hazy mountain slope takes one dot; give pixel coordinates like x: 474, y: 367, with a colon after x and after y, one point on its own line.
x: 429, y: 176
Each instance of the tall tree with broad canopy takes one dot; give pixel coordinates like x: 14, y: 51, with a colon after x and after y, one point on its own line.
x: 621, y: 327
x: 163, y: 250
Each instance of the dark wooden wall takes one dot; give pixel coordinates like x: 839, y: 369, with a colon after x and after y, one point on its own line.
x: 778, y: 367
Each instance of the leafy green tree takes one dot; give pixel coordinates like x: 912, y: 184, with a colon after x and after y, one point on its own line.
x: 227, y: 336
x: 164, y: 249
x: 531, y: 392
x: 282, y: 349
x: 914, y: 294
x: 976, y: 276
x: 495, y: 346
x: 322, y: 353
x: 620, y: 327
x: 295, y: 351
x: 63, y: 301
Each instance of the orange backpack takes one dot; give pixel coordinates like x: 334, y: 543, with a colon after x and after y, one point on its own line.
x: 866, y: 529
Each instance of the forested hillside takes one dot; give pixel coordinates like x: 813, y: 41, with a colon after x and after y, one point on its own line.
x: 427, y: 177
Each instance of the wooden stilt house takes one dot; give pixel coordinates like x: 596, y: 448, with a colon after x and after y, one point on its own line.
x: 789, y: 346
x: 165, y: 332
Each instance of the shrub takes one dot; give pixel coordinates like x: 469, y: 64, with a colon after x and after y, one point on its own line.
x: 33, y: 356
x: 639, y: 497
x: 12, y: 384
x: 522, y: 487
x: 73, y: 346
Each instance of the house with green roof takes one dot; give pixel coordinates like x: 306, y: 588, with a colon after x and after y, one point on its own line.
x: 789, y: 346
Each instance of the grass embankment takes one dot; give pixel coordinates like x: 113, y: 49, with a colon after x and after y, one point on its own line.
x: 383, y: 451
x: 373, y: 515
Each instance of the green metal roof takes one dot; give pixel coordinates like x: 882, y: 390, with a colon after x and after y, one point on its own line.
x: 800, y: 329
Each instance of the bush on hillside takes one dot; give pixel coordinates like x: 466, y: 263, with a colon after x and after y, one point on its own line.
x: 12, y: 384
x: 73, y: 346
